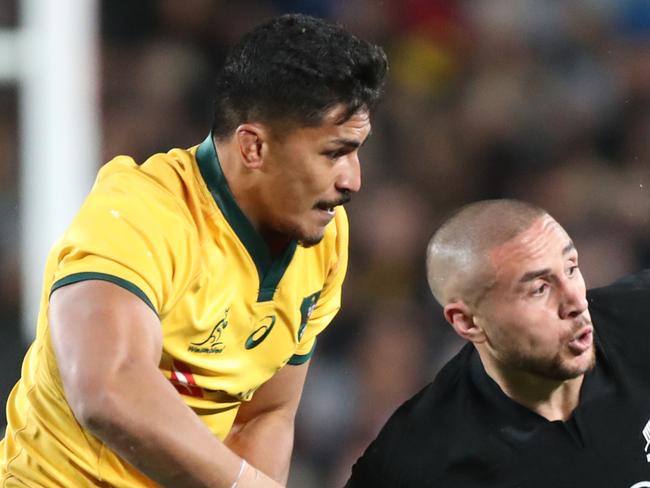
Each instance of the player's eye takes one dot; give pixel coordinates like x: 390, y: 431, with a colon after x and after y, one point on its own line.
x: 336, y: 154
x: 571, y: 271
x: 540, y: 290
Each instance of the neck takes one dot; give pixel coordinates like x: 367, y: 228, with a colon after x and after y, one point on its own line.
x: 276, y: 242
x: 243, y: 185
x: 549, y: 398
x: 240, y: 179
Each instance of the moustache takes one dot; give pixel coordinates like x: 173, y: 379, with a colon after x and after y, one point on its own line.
x: 579, y: 323
x: 325, y: 204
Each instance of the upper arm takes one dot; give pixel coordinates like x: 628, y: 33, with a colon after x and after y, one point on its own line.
x: 126, y: 257
x: 279, y: 394
x: 99, y: 330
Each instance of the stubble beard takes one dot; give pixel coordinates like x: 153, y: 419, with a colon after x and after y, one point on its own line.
x: 555, y: 368
x: 308, y: 240
x: 295, y: 233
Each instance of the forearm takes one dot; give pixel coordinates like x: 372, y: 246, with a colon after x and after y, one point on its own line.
x: 266, y: 441
x: 145, y: 421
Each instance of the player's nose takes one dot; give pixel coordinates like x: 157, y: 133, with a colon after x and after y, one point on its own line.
x: 349, y: 179
x: 574, y: 300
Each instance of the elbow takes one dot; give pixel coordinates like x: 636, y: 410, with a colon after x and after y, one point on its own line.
x: 93, y: 416
x: 93, y: 402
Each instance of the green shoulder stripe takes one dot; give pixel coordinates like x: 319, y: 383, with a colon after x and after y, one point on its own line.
x: 127, y: 285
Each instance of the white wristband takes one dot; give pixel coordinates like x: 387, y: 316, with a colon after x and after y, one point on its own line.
x: 242, y: 467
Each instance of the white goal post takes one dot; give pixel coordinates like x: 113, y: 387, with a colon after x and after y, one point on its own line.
x: 53, y: 58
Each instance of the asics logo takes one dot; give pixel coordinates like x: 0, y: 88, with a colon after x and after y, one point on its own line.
x: 263, y: 330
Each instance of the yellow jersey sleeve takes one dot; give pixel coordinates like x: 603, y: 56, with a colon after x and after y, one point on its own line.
x: 328, y: 301
x: 130, y: 231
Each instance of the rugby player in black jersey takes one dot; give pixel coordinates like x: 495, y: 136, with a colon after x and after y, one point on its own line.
x: 553, y: 387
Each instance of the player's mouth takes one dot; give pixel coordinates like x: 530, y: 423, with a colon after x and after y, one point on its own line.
x: 328, y: 208
x: 582, y: 341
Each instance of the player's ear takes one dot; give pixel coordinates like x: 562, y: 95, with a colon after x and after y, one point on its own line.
x: 464, y: 322
x: 250, y: 138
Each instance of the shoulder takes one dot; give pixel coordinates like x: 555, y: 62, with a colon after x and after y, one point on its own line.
x: 170, y: 171
x: 438, y: 402
x: 175, y: 170
x: 414, y: 444
x: 160, y: 188
x: 627, y: 296
x: 639, y: 281
x: 136, y: 217
x: 619, y: 312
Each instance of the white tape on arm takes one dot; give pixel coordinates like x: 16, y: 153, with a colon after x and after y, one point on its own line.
x: 242, y: 468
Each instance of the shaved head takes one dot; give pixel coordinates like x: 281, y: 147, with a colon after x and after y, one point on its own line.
x: 458, y: 265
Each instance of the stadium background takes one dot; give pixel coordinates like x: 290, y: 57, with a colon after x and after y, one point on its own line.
x: 543, y: 100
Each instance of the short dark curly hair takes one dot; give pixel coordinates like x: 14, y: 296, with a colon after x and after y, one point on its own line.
x: 294, y: 68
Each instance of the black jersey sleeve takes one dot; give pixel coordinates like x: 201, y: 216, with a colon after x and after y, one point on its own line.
x: 381, y: 462
x: 366, y: 472
x: 411, y: 450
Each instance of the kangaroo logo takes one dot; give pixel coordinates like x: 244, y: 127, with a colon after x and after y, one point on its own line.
x: 212, y: 344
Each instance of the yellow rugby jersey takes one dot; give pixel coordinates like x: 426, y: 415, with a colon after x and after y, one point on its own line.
x: 170, y: 231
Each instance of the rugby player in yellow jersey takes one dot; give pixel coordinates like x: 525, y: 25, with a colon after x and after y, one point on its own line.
x: 181, y: 307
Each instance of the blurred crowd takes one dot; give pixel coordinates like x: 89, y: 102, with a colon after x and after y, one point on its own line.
x: 545, y: 101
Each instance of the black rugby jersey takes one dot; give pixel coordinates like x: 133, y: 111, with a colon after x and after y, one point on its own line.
x: 462, y: 430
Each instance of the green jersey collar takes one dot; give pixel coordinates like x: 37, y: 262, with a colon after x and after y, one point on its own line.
x: 270, y: 270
